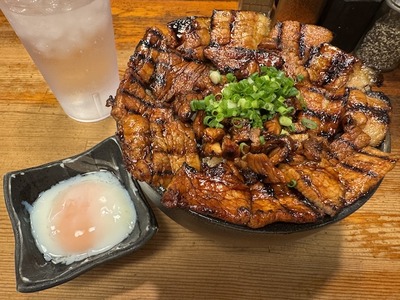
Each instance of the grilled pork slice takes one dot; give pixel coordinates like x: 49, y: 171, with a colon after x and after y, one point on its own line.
x: 360, y: 167
x: 295, y: 40
x: 131, y: 96
x: 156, y: 145
x: 369, y: 111
x: 296, y: 37
x: 353, y: 139
x: 260, y: 164
x: 166, y: 73
x: 172, y: 143
x: 317, y: 183
x: 277, y: 203
x: 243, y: 29
x: 330, y: 67
x: 235, y: 36
x: 215, y: 191
x: 241, y: 61
x: 190, y: 36
x: 322, y: 108
x: 134, y: 135
x: 361, y: 171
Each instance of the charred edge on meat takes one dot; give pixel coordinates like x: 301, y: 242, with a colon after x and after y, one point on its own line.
x: 305, y: 201
x: 302, y: 44
x: 159, y: 79
x: 152, y: 40
x: 279, y: 27
x: 369, y: 173
x: 110, y: 102
x: 378, y: 113
x: 322, y: 116
x: 142, y: 57
x: 180, y: 26
x: 383, y: 157
x: 339, y: 63
x: 347, y: 142
x: 330, y: 96
x: 378, y: 95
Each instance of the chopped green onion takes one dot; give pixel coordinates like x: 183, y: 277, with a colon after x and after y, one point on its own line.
x: 244, y: 148
x: 285, y: 121
x: 310, y: 124
x: 284, y: 132
x: 299, y: 78
x: 257, y: 98
x: 230, y: 77
x: 292, y: 183
x: 215, y: 76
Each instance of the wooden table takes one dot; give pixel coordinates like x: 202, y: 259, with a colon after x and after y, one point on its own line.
x: 357, y: 258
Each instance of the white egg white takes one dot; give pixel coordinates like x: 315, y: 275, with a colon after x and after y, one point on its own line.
x: 98, y: 201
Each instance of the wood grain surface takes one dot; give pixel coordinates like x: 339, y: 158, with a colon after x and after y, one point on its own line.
x: 357, y: 258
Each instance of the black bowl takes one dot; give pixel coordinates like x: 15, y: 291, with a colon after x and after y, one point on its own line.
x: 218, y: 229
x: 33, y: 272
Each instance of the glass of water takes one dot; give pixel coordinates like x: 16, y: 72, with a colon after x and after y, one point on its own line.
x: 72, y: 44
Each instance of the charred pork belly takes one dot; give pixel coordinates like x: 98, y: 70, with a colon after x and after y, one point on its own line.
x: 296, y: 37
x: 317, y: 184
x: 156, y: 146
x: 369, y: 111
x: 243, y: 29
x: 323, y: 160
x: 323, y: 108
x: 272, y: 203
x: 240, y: 61
x: 330, y: 67
x: 166, y: 73
x: 294, y: 41
x: 235, y: 36
x: 217, y: 191
x: 190, y: 36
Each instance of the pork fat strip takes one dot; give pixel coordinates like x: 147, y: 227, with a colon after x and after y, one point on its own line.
x: 242, y: 29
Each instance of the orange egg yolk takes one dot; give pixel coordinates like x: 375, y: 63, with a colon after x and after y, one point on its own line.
x: 75, y: 219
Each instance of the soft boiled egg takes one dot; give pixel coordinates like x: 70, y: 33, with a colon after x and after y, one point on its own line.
x: 81, y: 216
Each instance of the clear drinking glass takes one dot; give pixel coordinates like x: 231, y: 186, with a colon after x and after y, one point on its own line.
x: 72, y: 44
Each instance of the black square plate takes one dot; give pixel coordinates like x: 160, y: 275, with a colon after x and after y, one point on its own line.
x: 33, y: 272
